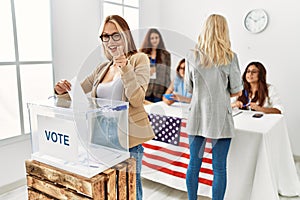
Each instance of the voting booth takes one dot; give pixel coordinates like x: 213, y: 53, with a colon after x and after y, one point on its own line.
x: 85, y: 139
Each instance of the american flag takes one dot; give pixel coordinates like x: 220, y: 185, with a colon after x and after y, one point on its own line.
x: 166, y: 128
x: 167, y: 163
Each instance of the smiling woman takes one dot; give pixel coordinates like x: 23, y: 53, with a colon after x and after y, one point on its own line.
x: 160, y: 64
x: 257, y: 94
x: 124, y: 77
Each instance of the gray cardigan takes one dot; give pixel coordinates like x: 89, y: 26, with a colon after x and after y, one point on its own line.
x: 210, y: 110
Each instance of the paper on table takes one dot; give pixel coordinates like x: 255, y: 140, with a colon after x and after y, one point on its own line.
x: 236, y: 111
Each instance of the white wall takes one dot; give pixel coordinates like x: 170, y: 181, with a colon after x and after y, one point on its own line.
x: 13, y: 158
x: 75, y: 26
x: 277, y: 47
x: 150, y: 13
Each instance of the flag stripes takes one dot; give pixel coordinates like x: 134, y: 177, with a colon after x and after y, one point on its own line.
x: 167, y: 163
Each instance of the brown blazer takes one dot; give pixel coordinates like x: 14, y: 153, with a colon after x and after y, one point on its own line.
x: 135, y: 77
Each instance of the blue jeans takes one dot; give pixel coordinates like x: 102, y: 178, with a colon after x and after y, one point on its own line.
x: 137, y: 152
x: 105, y: 132
x: 220, y: 149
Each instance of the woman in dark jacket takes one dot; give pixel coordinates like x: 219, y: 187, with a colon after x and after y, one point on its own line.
x: 160, y: 65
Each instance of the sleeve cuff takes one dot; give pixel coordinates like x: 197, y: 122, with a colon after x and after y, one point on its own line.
x: 236, y: 90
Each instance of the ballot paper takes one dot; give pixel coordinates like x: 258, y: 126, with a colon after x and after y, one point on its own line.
x: 77, y: 95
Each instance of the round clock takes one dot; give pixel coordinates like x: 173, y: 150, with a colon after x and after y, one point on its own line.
x: 256, y: 20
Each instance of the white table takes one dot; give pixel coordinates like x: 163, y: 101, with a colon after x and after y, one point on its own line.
x: 260, y: 161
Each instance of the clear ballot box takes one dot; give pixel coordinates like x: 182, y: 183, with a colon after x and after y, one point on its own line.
x: 85, y: 139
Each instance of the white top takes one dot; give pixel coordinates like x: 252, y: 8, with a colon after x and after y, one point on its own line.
x: 273, y: 101
x: 112, y: 90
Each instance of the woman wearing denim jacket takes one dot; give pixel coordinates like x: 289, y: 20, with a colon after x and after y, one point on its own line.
x: 126, y: 77
x: 177, y: 87
x: 213, y: 75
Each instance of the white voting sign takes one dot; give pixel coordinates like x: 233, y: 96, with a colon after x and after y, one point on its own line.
x: 58, y: 138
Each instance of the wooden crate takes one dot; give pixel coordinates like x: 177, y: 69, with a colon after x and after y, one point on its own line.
x: 48, y: 182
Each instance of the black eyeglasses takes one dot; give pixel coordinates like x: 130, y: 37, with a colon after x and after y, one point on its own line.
x: 114, y: 36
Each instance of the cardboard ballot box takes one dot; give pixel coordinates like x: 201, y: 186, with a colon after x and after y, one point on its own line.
x: 85, y: 139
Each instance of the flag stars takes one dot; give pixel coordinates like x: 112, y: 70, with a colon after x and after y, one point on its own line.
x: 166, y: 128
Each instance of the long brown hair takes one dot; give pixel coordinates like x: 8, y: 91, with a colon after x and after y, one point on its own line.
x: 262, y: 92
x: 124, y: 30
x: 214, y: 45
x: 147, y: 47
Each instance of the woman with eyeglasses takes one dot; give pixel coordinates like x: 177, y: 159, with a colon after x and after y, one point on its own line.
x: 160, y: 65
x: 177, y: 90
x: 258, y: 95
x: 124, y: 77
x: 213, y: 75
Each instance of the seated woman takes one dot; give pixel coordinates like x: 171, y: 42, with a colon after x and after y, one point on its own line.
x: 176, y: 90
x: 257, y: 94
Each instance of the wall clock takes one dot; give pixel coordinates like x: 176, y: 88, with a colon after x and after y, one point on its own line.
x: 256, y: 20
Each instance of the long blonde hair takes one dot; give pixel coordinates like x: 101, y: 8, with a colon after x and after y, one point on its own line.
x: 214, y: 46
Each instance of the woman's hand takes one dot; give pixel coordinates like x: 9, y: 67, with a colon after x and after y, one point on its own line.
x: 180, y: 98
x: 120, y: 60
x: 237, y: 104
x: 169, y: 102
x: 255, y: 107
x: 62, y: 86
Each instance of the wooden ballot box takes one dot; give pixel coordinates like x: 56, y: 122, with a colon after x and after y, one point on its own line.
x: 47, y: 182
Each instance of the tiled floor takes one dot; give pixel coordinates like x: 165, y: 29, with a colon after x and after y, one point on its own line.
x: 152, y: 191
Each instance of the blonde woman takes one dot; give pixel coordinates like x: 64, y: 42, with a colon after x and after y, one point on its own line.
x: 124, y: 77
x: 213, y: 76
